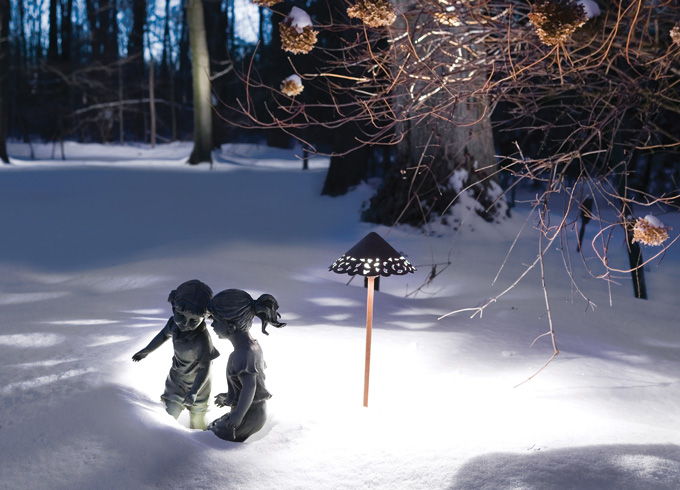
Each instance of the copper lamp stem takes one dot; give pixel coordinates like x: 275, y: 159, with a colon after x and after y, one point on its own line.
x: 369, y: 326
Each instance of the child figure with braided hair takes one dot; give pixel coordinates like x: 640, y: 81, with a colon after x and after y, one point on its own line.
x: 233, y: 311
x: 188, y: 383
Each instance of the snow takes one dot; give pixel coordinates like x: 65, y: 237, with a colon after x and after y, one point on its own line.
x: 591, y: 8
x: 293, y: 78
x: 654, y: 221
x: 299, y: 19
x: 93, y: 245
x: 458, y: 179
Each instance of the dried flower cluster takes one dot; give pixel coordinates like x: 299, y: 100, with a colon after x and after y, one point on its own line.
x: 447, y: 19
x: 648, y: 232
x: 297, y: 41
x: 266, y: 3
x: 292, y: 86
x: 556, y: 20
x: 373, y: 13
x: 675, y: 34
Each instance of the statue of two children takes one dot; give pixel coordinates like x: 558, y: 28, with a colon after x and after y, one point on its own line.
x: 188, y: 384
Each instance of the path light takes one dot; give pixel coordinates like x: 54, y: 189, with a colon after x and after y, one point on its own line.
x: 372, y: 257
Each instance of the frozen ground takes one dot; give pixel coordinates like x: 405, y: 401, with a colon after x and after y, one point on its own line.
x: 91, y: 247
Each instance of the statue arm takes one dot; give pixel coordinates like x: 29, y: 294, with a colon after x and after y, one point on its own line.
x: 245, y: 399
x: 155, y: 343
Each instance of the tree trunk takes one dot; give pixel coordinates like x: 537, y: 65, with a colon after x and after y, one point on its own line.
x: 109, y: 31
x: 91, y: 7
x: 231, y: 20
x: 165, y: 57
x: 167, y: 72
x: 586, y: 210
x: 439, y: 149
x: 635, y: 260
x: 216, y: 36
x: 4, y: 71
x: 152, y: 102
x: 102, y: 17
x: 23, y: 51
x: 121, y: 120
x: 173, y: 108
x: 200, y: 70
x: 136, y: 37
x: 457, y: 140
x: 260, y: 25
x: 53, y: 46
x: 134, y: 86
x: 184, y: 62
x: 66, y: 30
x: 345, y: 171
x: 36, y: 37
x: 216, y: 33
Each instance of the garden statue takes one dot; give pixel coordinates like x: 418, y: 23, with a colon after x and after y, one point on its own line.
x: 233, y: 311
x: 188, y: 383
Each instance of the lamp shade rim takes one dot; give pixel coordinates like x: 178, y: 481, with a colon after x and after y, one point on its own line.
x: 372, y: 256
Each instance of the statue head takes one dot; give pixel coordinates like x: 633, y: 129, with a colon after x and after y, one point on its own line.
x: 233, y: 310
x: 190, y: 303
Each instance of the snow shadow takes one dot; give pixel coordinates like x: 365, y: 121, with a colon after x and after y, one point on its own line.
x: 79, y: 218
x: 392, y: 311
x: 101, y: 439
x: 616, y: 466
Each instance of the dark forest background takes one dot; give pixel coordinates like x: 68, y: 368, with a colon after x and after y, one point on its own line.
x: 97, y: 70
x: 120, y: 71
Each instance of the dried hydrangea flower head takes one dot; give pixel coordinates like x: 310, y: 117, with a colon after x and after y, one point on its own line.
x: 556, y: 20
x: 373, y: 13
x: 297, y: 34
x: 292, y: 86
x: 266, y: 3
x: 650, y: 231
x: 675, y: 34
x: 447, y: 19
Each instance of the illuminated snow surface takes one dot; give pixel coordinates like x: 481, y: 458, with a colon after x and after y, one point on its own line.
x: 92, y: 246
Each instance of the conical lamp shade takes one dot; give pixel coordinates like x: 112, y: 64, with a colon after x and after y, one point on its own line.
x: 372, y: 256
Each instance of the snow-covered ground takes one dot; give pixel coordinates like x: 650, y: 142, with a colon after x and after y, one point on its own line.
x: 91, y: 246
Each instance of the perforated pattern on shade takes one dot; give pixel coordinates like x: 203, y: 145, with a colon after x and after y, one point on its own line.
x: 372, y: 256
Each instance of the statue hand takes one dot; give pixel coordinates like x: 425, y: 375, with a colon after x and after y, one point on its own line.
x: 222, y: 400
x: 140, y: 355
x: 190, y: 400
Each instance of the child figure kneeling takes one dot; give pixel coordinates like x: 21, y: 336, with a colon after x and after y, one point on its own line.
x: 188, y: 383
x: 233, y: 311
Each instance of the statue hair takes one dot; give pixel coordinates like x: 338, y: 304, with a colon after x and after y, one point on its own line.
x: 193, y: 296
x: 239, y: 308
